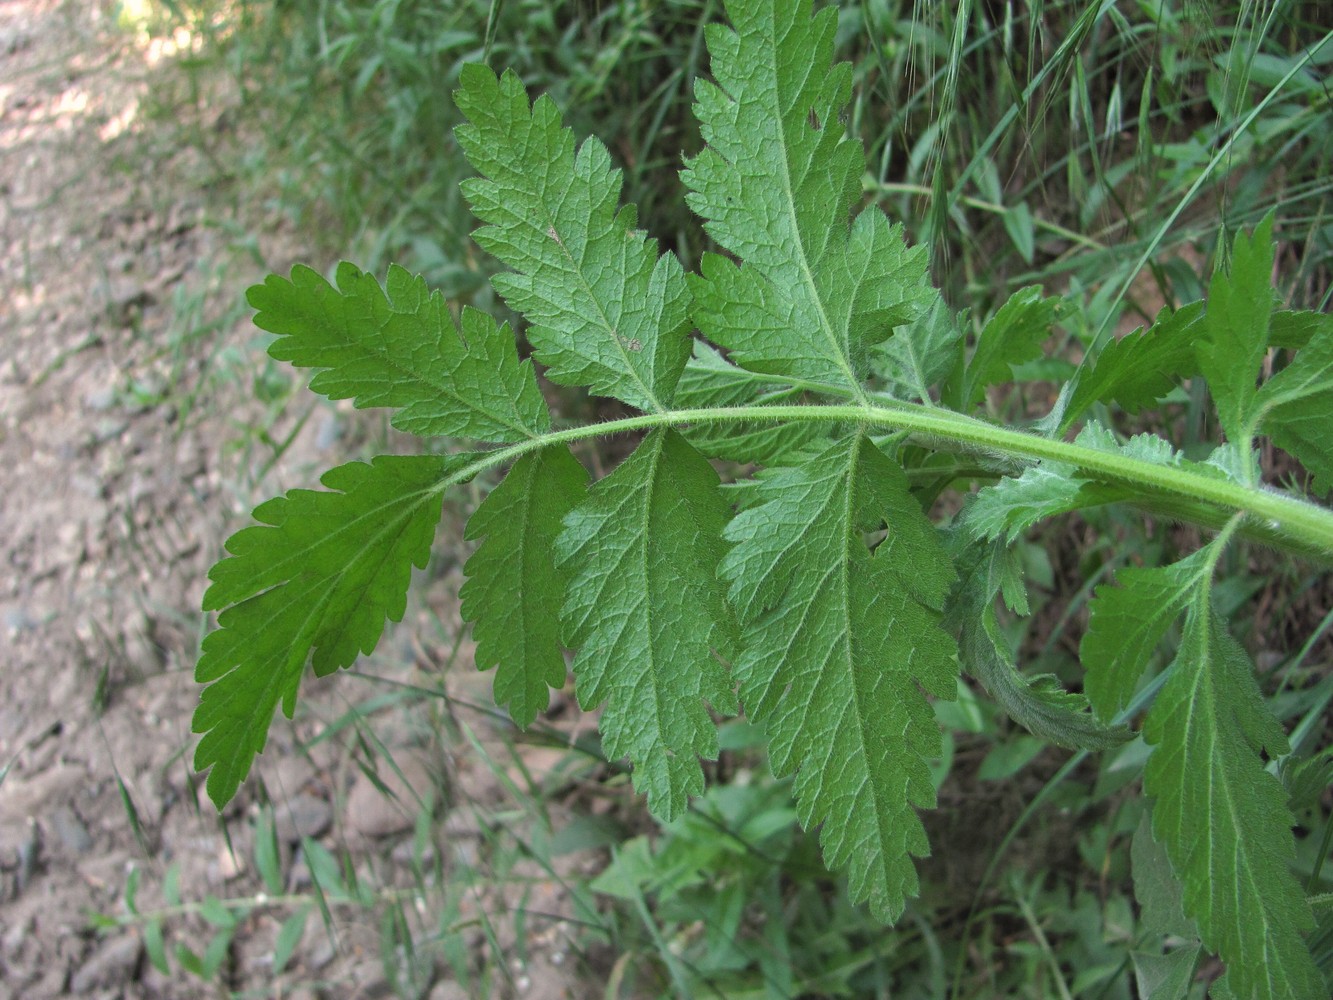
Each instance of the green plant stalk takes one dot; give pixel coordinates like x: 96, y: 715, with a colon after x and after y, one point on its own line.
x: 886, y: 188
x: 1281, y: 519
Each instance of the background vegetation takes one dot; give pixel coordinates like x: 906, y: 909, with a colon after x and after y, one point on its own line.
x: 1105, y: 150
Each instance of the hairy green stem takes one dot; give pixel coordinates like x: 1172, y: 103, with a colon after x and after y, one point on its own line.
x: 1282, y: 519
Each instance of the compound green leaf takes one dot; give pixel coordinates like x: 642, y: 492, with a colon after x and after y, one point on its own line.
x: 775, y: 186
x: 1040, y: 704
x: 1294, y: 328
x: 648, y: 615
x: 1234, y: 335
x: 1220, y: 815
x: 840, y: 648
x: 398, y: 346
x: 1012, y: 336
x: 605, y: 310
x: 315, y: 580
x: 514, y: 591
x: 1009, y: 507
x: 1127, y: 622
x: 1138, y: 370
x: 922, y: 353
x: 1297, y: 407
x: 1223, y: 818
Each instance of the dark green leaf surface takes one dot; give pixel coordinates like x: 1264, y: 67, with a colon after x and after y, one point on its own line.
x: 648, y: 616
x: 1012, y: 336
x: 1293, y: 328
x: 840, y: 647
x: 1223, y: 818
x: 1297, y: 406
x: 1127, y: 622
x: 514, y: 591
x: 1040, y: 704
x: 402, y: 349
x: 315, y: 580
x: 1138, y: 370
x: 922, y: 353
x: 1235, y: 330
x: 605, y: 310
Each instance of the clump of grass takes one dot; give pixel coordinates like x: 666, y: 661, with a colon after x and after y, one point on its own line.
x: 1073, y: 144
x: 356, y: 99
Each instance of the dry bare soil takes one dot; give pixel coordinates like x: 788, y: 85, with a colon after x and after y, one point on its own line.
x: 130, y: 443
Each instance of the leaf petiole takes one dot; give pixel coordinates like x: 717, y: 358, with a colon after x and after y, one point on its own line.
x: 1277, y: 518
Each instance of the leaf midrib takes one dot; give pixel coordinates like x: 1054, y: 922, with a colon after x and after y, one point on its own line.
x: 850, y: 538
x: 789, y: 207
